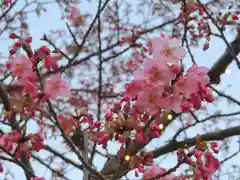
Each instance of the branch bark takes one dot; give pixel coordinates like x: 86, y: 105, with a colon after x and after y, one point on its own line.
x: 220, y: 135
x: 224, y: 61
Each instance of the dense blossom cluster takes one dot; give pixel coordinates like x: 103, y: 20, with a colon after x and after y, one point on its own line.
x: 163, y: 85
x: 160, y: 85
x: 24, y: 69
x: 14, y: 143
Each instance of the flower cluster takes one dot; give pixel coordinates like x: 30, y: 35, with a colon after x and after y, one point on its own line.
x: 159, y: 87
x: 14, y: 143
x: 162, y: 84
x: 202, y: 162
x: 25, y: 70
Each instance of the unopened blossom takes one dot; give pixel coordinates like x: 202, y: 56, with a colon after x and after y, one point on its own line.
x: 7, y: 2
x: 205, y: 170
x: 167, y: 49
x: 156, y: 73
x: 43, y: 53
x: 23, y: 150
x: 55, y: 87
x: 37, y: 142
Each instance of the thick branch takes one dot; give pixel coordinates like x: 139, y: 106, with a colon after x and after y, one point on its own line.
x: 223, y: 62
x: 220, y: 135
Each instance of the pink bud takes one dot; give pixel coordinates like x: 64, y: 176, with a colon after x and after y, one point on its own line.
x: 203, y: 89
x: 1, y: 168
x: 209, y: 98
x: 108, y: 116
x: 28, y: 40
x: 136, y: 174
x: 121, y: 139
x: 116, y: 107
x: 176, y: 68
x: 141, y: 169
x: 145, y: 118
x: 13, y: 36
x: 139, y: 137
x: 235, y: 17
x: 186, y: 106
x: 13, y: 51
x: 103, y: 139
x: 155, y: 134
x: 97, y: 124
x: 205, y: 46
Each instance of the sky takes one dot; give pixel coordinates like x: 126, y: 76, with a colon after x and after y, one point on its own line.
x: 51, y: 21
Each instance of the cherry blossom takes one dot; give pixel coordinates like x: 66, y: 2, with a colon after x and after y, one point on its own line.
x: 21, y: 67
x: 148, y: 98
x: 206, y: 169
x: 199, y: 73
x: 156, y: 73
x: 186, y: 85
x: 172, y: 102
x: 133, y: 88
x: 167, y: 49
x: 55, y: 87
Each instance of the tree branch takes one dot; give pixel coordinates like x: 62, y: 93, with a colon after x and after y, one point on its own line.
x: 223, y: 62
x: 220, y: 135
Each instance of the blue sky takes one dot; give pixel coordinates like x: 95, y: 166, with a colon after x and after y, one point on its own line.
x: 51, y: 21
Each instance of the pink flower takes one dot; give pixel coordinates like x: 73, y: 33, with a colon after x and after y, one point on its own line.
x: 148, y: 98
x: 133, y: 88
x: 166, y: 49
x: 186, y: 85
x: 7, y: 2
x: 73, y: 13
x: 55, y: 87
x: 207, y: 169
x: 171, y: 102
x: 156, y: 73
x: 199, y: 73
x: 21, y: 67
x: 30, y: 88
x: 49, y: 61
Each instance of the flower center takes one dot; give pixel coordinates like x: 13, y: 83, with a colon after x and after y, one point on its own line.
x: 151, y: 99
x: 168, y: 52
x: 19, y: 67
x: 58, y: 85
x: 155, y: 73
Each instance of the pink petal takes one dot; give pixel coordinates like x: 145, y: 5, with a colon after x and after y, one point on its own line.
x: 174, y: 43
x: 179, y: 52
